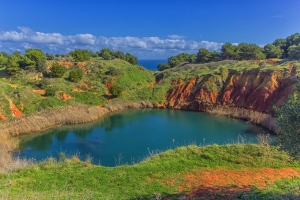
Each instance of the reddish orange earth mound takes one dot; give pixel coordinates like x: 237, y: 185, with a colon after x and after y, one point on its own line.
x: 2, y: 117
x: 41, y: 92
x: 225, y: 183
x: 15, y: 110
x: 64, y: 96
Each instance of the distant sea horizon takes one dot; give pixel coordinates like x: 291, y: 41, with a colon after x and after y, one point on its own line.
x: 151, y: 64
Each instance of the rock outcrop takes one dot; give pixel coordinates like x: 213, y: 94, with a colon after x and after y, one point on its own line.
x: 253, y: 90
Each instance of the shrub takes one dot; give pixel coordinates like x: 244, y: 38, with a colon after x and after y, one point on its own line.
x: 57, y: 70
x: 75, y: 75
x: 44, y: 83
x: 116, y: 90
x: 50, y: 91
x: 288, y: 124
x: 113, y: 71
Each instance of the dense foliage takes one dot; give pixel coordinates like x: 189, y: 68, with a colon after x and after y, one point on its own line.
x: 288, y: 123
x: 75, y: 75
x: 280, y: 48
x: 116, y: 90
x: 80, y: 55
x: 57, y: 70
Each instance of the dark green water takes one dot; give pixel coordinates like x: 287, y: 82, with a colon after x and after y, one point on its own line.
x: 130, y: 136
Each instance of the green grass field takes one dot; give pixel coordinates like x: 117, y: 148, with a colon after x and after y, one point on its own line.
x: 74, y: 179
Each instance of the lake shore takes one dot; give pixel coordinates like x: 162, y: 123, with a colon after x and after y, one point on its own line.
x: 79, y: 114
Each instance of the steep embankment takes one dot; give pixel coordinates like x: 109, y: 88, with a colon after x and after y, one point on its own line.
x: 249, y: 94
x: 254, y: 90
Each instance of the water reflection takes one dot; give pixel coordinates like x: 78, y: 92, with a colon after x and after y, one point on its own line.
x: 133, y: 133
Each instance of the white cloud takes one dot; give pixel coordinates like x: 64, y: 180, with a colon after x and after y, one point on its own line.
x: 140, y: 46
x: 176, y: 36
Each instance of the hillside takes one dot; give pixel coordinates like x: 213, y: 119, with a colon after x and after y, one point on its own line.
x: 242, y: 89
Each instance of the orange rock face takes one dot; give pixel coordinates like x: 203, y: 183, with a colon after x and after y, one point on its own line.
x: 253, y: 90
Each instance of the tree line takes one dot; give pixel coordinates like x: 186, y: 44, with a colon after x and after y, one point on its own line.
x: 35, y: 59
x: 288, y: 48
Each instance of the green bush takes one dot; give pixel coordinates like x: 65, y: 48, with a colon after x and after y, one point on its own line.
x: 116, y: 90
x: 75, y: 75
x: 288, y: 124
x: 57, y: 70
x: 50, y: 91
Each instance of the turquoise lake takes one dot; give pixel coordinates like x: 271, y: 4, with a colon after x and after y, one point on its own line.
x: 130, y: 136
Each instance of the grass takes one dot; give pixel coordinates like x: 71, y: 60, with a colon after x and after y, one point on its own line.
x: 74, y: 179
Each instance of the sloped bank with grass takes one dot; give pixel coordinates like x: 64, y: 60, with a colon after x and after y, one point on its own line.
x: 210, y: 172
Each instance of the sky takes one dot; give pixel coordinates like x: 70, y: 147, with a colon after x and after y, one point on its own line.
x: 155, y: 29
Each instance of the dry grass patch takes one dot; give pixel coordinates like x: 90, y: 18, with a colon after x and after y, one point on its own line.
x: 7, y: 162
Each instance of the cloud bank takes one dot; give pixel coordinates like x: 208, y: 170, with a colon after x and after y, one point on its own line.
x: 142, y: 47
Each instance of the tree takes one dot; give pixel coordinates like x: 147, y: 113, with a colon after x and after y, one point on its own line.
x: 57, y: 70
x: 173, y: 61
x: 3, y: 60
x: 288, y: 124
x: 27, y: 63
x: 80, y: 55
x: 272, y: 51
x: 119, y: 54
x: 131, y: 59
x: 106, y: 54
x: 35, y: 55
x: 75, y: 75
x: 162, y: 66
x: 282, y: 44
x: 192, y: 58
x: 49, y: 56
x: 250, y: 52
x: 41, y: 66
x: 12, y: 65
x: 215, y: 56
x: 294, y: 52
x: 293, y: 40
x: 203, y: 55
x: 229, y: 51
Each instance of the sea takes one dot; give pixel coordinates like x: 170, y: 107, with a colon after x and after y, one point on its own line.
x: 151, y: 64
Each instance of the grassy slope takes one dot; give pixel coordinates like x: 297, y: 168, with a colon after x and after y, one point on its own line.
x: 132, y: 78
x: 73, y: 179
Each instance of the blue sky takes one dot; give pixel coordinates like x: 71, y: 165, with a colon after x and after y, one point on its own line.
x: 147, y: 29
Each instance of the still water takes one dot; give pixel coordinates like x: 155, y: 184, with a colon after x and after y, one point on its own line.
x: 128, y: 137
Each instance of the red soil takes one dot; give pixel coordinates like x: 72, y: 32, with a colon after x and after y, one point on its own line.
x: 41, y: 92
x: 2, y: 117
x: 225, y: 182
x: 253, y: 90
x: 15, y: 111
x: 64, y: 96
